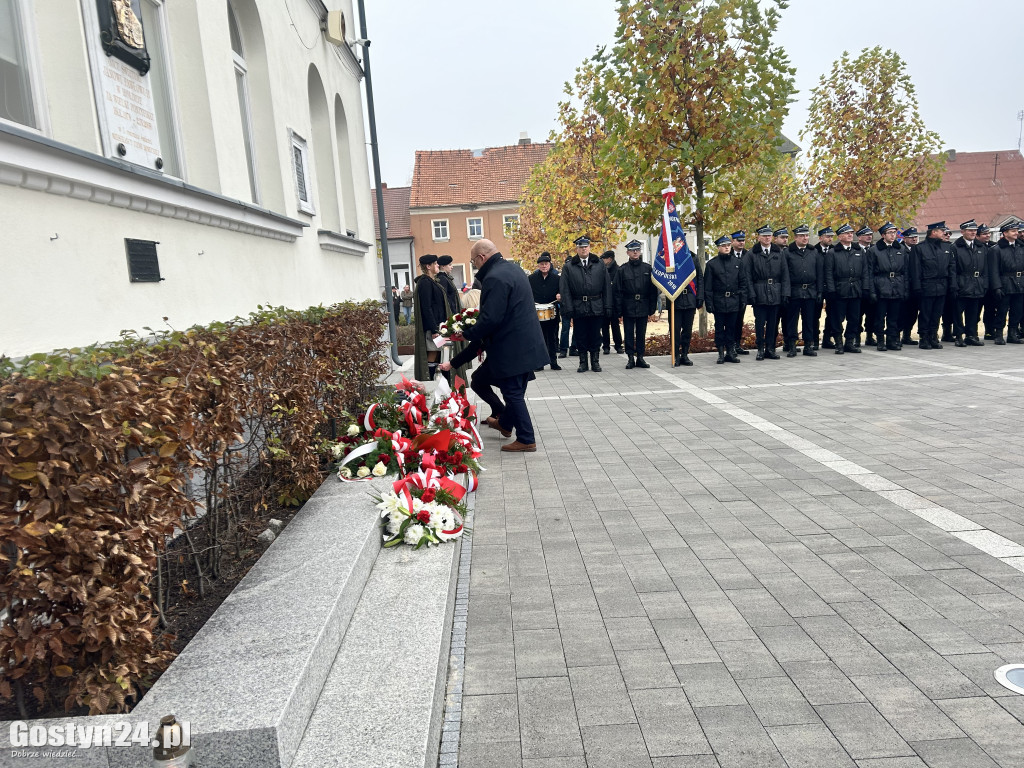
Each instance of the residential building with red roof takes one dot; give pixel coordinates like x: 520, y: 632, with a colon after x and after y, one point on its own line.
x: 985, y: 186
x: 460, y: 196
x: 401, y: 252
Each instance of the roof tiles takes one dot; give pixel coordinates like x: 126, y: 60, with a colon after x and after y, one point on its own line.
x: 473, y: 177
x: 985, y: 186
x: 396, y: 212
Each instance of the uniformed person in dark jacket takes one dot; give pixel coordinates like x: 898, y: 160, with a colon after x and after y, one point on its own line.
x: 911, y: 304
x: 767, y: 279
x: 991, y: 304
x: 972, y: 283
x: 611, y: 331
x: 780, y: 239
x: 684, y: 308
x: 429, y: 313
x: 889, y: 271
x: 447, y: 282
x: 1007, y: 265
x: 865, y: 236
x: 846, y: 280
x: 725, y: 294
x: 933, y: 276
x: 739, y: 239
x: 806, y: 281
x: 544, y: 283
x: 636, y: 301
x: 587, y: 299
x: 826, y: 237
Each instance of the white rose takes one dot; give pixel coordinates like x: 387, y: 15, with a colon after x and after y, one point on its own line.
x: 363, y: 472
x: 413, y: 534
x: 380, y: 469
x: 447, y: 522
x: 457, y: 328
x: 354, y: 430
x: 345, y: 472
x: 337, y: 450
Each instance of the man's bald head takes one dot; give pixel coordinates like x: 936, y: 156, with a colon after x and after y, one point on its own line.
x: 482, y: 248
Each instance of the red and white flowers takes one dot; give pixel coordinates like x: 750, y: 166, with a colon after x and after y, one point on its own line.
x: 452, y: 328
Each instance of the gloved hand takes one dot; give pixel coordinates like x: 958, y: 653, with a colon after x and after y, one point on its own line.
x: 999, y: 293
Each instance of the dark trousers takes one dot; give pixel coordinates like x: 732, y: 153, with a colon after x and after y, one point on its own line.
x: 1012, y: 304
x: 517, y: 415
x: 796, y: 310
x: 482, y: 383
x: 949, y: 311
x: 845, y: 311
x: 928, y: 320
x: 990, y: 311
x: 968, y: 313
x: 738, y: 327
x: 549, y: 328
x: 636, y: 335
x: 684, y: 328
x: 563, y: 341
x: 868, y: 313
x: 908, y: 313
x: 887, y: 319
x: 611, y: 323
x: 765, y: 318
x: 725, y: 330
x: 587, y: 333
x: 830, y: 312
x: 819, y: 305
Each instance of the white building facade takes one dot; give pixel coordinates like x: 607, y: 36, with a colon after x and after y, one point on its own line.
x: 187, y: 159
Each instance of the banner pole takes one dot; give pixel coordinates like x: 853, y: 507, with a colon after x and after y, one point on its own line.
x: 672, y: 330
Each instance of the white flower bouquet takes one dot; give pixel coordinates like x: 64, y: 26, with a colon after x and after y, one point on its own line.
x: 453, y: 328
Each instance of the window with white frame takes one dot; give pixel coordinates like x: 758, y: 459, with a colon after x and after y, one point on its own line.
x: 440, y: 230
x: 510, y: 223
x: 475, y: 227
x: 16, y: 97
x: 242, y: 87
x: 300, y: 166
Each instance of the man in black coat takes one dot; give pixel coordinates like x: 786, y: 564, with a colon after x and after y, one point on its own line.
x: 544, y: 284
x: 510, y: 332
x: 826, y: 237
x: 867, y: 306
x: 739, y: 250
x: 846, y: 280
x: 1006, y: 261
x: 611, y: 331
x: 970, y: 259
x: 912, y: 303
x: 587, y: 299
x: 636, y: 301
x: 889, y: 270
x: 767, y: 277
x: 933, y: 276
x: 806, y: 281
x: 991, y: 303
x: 684, y: 308
x: 396, y: 303
x: 725, y: 294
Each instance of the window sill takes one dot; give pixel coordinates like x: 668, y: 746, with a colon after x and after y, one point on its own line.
x: 338, y: 243
x: 34, y: 162
x: 442, y: 240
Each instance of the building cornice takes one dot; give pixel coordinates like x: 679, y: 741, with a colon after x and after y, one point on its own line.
x: 338, y: 243
x: 469, y: 211
x: 33, y: 162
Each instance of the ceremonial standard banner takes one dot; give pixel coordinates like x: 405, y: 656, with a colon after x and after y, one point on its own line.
x: 673, y: 270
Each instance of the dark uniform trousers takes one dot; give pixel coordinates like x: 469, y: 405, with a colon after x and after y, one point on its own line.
x: 611, y: 323
x: 868, y: 315
x: 990, y: 310
x: 636, y: 334
x: 684, y: 327
x: 968, y: 314
x: 1011, y: 304
x: 950, y: 315
x: 887, y: 319
x: 830, y: 314
x: 549, y: 329
x: 725, y: 330
x: 737, y: 329
x: 908, y: 314
x: 586, y: 334
x: 563, y: 342
x: 801, y: 310
x: 516, y: 416
x: 931, y: 310
x: 845, y: 311
x: 766, y: 318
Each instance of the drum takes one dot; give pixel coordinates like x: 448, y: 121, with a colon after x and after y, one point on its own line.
x: 545, y: 312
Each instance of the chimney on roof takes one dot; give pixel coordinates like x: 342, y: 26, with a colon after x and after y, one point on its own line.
x: 384, y: 185
x: 524, y: 138
x: 951, y: 155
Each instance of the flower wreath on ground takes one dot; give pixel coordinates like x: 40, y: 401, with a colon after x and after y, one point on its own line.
x: 433, y: 449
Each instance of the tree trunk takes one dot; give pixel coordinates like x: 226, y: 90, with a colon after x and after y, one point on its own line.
x: 698, y: 185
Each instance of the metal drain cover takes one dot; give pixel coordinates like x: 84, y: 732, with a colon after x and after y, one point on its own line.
x: 1011, y: 676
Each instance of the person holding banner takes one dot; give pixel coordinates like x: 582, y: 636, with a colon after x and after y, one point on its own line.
x: 767, y: 276
x: 725, y: 295
x: 674, y: 270
x: 684, y: 309
x: 586, y: 299
x: 636, y: 301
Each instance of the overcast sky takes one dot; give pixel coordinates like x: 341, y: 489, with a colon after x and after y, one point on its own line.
x: 459, y: 75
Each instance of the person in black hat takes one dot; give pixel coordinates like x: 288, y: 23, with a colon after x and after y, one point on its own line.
x: 865, y: 236
x: 566, y: 344
x: 1007, y: 264
x: 889, y: 272
x: 990, y: 305
x: 429, y: 314
x: 826, y: 237
x: 587, y: 299
x: 933, y: 276
x: 739, y: 239
x: 846, y: 280
x: 912, y: 303
x: 611, y: 331
x: 970, y: 260
x: 684, y: 308
x: 725, y: 293
x: 636, y: 301
x: 544, y: 283
x: 806, y: 280
x: 767, y: 276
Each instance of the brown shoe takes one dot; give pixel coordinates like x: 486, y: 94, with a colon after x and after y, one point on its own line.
x: 518, y: 447
x: 493, y: 424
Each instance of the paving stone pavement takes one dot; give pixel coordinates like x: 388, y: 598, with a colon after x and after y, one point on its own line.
x: 807, y: 562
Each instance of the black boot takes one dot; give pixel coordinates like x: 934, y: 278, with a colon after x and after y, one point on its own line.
x: 829, y: 343
x: 851, y: 346
x: 998, y: 336
x: 739, y: 350
x: 554, y: 363
x: 584, y: 364
x: 641, y: 363
x: 1013, y: 338
x: 810, y: 351
x: 880, y: 346
x: 563, y: 354
x: 629, y: 363
x: 770, y: 353
x: 685, y: 355
x: 607, y: 350
x: 934, y: 341
x: 760, y: 352
x: 595, y: 366
x: 959, y: 342
x: 947, y: 332
x: 907, y: 340
x: 721, y: 357
x: 573, y: 351
x: 974, y: 341
x: 730, y: 356
x: 792, y: 350
x: 894, y: 343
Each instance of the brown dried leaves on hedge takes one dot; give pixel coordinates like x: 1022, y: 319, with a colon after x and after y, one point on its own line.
x: 96, y: 450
